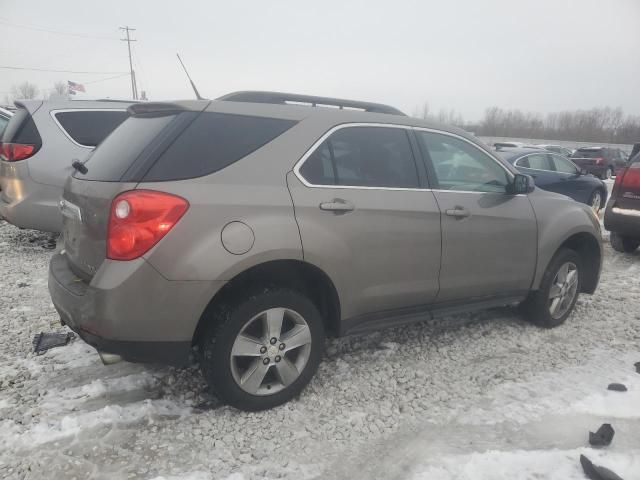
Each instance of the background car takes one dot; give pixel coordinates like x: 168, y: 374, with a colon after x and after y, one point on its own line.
x: 36, y: 151
x: 564, y: 151
x: 605, y: 162
x: 5, y: 116
x: 622, y: 216
x: 556, y: 173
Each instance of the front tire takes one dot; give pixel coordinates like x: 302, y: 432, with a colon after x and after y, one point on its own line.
x: 623, y: 244
x: 263, y: 349
x: 595, y: 200
x: 608, y: 174
x: 553, y: 302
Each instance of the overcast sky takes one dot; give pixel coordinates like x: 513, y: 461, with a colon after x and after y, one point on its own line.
x: 539, y: 55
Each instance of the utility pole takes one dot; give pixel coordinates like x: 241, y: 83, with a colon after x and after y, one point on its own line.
x: 134, y: 88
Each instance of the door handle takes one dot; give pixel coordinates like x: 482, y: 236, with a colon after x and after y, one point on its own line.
x: 458, y: 212
x: 337, y: 206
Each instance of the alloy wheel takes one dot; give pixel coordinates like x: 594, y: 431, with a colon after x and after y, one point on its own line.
x: 270, y: 351
x: 564, y: 289
x: 596, y: 201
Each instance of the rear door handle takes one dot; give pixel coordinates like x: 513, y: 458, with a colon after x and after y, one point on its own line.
x: 458, y: 212
x: 337, y: 206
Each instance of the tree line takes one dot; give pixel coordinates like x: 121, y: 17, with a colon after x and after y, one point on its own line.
x: 598, y: 125
x: 28, y: 91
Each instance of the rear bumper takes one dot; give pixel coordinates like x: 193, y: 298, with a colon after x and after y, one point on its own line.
x: 622, y: 221
x: 130, y: 310
x: 28, y: 204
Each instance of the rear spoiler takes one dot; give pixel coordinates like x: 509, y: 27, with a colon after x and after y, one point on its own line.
x: 162, y: 108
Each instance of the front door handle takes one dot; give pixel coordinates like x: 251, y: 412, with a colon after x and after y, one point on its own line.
x: 458, y: 212
x: 337, y: 206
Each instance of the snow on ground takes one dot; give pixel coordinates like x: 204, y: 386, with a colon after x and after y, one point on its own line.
x: 478, y: 396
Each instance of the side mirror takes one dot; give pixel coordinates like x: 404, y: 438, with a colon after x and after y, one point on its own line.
x: 521, y: 184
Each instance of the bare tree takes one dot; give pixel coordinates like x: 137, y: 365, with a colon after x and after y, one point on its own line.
x: 25, y: 90
x: 60, y: 88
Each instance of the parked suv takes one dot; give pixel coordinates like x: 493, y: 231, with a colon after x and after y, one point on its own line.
x: 36, y: 152
x: 251, y: 228
x: 604, y: 162
x: 622, y: 215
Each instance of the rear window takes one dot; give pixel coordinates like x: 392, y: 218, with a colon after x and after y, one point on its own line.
x: 588, y: 153
x: 3, y: 124
x: 22, y: 129
x: 114, y: 156
x: 212, y: 142
x: 89, y: 127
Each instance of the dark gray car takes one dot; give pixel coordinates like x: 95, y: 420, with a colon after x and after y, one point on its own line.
x: 252, y: 228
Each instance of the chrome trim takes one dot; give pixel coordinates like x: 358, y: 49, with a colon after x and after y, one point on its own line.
x: 626, y: 211
x: 70, y: 210
x: 312, y: 149
x: 64, y: 110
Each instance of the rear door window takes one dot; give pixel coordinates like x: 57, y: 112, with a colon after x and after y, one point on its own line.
x: 89, y: 127
x: 214, y: 141
x: 561, y: 164
x: 363, y: 157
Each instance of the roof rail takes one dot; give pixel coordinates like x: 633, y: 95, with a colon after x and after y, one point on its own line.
x: 311, y: 100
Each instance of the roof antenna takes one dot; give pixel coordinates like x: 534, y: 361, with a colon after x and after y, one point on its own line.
x: 193, y: 85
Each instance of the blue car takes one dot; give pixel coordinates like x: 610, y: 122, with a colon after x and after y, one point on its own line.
x: 557, y: 173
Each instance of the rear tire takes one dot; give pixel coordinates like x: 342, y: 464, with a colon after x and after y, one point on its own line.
x: 553, y: 302
x: 243, y: 364
x: 623, y: 244
x: 608, y: 173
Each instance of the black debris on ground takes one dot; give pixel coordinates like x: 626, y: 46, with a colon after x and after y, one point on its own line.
x: 637, y: 365
x: 596, y: 472
x: 46, y: 341
x: 617, y: 387
x: 603, y: 436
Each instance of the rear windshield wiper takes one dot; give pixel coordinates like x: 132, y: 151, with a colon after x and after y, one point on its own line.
x: 79, y: 166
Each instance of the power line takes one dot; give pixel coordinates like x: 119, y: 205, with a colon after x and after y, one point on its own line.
x: 11, y: 67
x: 5, y: 21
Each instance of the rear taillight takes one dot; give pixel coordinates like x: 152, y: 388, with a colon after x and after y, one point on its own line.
x: 139, y: 219
x: 599, y: 160
x: 12, y: 152
x: 631, y: 178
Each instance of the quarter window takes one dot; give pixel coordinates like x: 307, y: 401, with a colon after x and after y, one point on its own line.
x: 365, y: 157
x: 460, y: 166
x: 563, y: 165
x: 90, y: 127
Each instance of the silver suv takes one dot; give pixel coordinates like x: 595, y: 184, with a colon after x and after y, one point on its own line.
x: 36, y: 152
x: 252, y: 226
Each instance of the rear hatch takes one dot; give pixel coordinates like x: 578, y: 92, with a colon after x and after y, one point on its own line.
x: 158, y: 143
x: 114, y: 167
x: 588, y: 156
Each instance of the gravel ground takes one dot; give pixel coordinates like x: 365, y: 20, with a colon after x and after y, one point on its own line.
x: 410, y: 402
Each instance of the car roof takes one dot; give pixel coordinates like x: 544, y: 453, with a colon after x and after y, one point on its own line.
x: 296, y: 112
x: 511, y: 154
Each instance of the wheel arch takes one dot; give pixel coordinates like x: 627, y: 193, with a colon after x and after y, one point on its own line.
x: 588, y: 247
x: 295, y: 274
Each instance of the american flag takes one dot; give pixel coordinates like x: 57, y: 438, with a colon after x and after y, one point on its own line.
x: 75, y: 87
